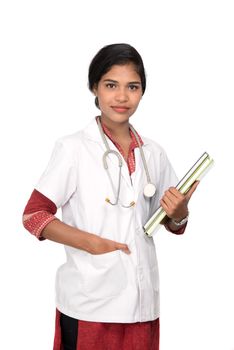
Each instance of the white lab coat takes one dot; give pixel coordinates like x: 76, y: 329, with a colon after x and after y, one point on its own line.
x: 111, y: 287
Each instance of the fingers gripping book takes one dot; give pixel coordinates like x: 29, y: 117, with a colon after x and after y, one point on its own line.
x: 197, y: 172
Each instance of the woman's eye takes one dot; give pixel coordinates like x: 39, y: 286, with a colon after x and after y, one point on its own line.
x: 133, y: 87
x: 110, y: 85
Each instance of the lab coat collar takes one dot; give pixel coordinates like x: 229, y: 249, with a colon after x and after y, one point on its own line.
x: 91, y: 132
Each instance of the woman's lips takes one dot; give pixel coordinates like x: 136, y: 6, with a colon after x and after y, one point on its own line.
x: 120, y: 109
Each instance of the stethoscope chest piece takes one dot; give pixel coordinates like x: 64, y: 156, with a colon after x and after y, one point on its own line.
x: 149, y: 190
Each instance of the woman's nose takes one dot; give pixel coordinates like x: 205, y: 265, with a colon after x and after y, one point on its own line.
x: 121, y: 95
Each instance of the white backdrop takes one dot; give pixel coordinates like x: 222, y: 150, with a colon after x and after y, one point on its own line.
x: 187, y: 47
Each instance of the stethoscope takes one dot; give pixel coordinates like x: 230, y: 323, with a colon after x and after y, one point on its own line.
x: 149, y: 189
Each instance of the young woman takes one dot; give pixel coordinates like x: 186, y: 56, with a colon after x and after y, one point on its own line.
x: 108, y: 180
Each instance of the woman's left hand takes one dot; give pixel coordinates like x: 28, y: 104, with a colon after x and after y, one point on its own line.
x: 175, y: 203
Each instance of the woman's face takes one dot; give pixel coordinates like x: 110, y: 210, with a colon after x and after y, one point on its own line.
x: 119, y: 92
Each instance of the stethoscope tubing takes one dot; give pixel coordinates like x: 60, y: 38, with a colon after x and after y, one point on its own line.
x: 120, y: 162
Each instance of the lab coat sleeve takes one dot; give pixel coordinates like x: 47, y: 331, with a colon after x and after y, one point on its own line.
x: 168, y: 176
x: 165, y: 179
x: 58, y: 182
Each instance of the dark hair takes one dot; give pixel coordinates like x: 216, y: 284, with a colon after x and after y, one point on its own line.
x: 115, y: 54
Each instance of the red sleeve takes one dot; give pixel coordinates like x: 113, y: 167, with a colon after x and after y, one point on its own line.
x: 38, y: 202
x: 38, y: 213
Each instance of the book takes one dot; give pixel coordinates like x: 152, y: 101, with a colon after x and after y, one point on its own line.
x: 197, y: 172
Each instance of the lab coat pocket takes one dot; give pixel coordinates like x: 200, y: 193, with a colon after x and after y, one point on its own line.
x: 105, y: 275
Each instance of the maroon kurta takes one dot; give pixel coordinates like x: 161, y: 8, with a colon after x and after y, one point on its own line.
x: 112, y: 336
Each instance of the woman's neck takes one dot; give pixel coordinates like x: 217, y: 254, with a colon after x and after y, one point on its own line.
x: 119, y: 131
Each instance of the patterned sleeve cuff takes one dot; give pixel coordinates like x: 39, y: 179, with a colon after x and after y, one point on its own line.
x: 37, y: 222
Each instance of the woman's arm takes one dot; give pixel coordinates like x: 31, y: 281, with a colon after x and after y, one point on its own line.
x: 39, y: 220
x: 60, y: 232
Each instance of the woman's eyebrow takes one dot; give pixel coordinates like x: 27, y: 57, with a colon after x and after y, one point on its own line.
x: 135, y: 82
x: 115, y: 81
x: 111, y: 80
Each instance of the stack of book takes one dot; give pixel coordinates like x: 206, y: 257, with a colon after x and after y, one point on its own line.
x: 198, y: 170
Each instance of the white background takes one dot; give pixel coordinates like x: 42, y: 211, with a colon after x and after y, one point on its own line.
x: 187, y: 47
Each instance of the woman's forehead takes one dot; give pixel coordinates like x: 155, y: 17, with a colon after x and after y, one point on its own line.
x: 122, y: 72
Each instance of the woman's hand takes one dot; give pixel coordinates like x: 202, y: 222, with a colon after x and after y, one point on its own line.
x: 98, y: 245
x: 175, y: 203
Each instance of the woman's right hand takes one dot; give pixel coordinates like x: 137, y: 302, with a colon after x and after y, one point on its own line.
x: 98, y: 245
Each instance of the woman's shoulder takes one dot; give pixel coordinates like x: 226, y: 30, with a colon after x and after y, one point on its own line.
x: 76, y: 138
x: 157, y: 152
x: 67, y: 144
x: 153, y: 145
x: 70, y: 139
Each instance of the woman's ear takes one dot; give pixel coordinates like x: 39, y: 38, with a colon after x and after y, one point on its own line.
x: 95, y: 90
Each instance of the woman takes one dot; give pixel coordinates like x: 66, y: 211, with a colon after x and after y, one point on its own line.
x: 108, y: 181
